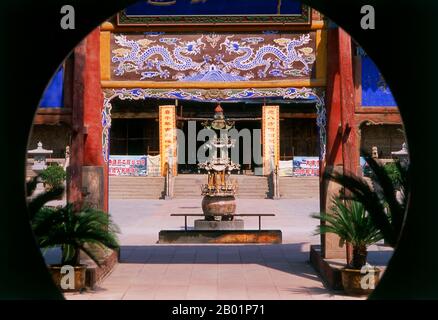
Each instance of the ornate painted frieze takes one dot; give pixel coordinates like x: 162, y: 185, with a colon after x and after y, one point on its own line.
x: 314, y: 94
x: 221, y: 57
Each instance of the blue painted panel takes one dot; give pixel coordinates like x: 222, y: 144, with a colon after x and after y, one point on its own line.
x: 375, y: 90
x: 210, y: 7
x: 53, y: 97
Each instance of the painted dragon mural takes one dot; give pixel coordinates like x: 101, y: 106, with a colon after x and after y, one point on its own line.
x: 213, y: 57
x: 143, y: 55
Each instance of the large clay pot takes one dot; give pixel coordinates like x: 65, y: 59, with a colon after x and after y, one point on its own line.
x: 79, y: 277
x: 219, y: 206
x: 352, y: 281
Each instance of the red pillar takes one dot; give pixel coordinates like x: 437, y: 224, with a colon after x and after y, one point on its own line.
x: 341, y: 145
x: 350, y: 149
x: 74, y: 181
x: 93, y: 103
x: 333, y: 104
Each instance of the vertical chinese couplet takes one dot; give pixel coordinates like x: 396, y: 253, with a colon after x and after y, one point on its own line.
x: 168, y: 147
x: 271, y: 138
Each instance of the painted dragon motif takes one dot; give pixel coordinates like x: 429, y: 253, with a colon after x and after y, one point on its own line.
x: 142, y: 56
x: 287, y: 53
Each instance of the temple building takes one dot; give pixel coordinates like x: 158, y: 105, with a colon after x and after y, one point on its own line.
x: 307, y: 94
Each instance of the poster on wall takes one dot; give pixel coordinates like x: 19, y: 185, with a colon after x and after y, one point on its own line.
x: 154, y: 169
x: 285, y: 168
x: 135, y: 166
x: 167, y: 125
x: 270, y: 137
x: 306, y: 166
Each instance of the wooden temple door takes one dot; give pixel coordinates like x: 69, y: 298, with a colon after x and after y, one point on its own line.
x: 270, y: 138
x: 168, y: 141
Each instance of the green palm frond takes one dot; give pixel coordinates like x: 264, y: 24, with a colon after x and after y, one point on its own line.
x: 350, y: 222
x: 62, y: 227
x: 386, y: 212
x: 388, y: 191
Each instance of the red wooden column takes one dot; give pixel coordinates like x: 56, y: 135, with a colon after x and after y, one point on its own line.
x: 333, y: 101
x: 350, y: 148
x: 74, y: 173
x: 341, y: 146
x: 88, y: 173
x: 96, y: 167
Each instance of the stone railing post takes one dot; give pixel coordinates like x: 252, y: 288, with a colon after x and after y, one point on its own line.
x: 276, y: 184
x: 169, y: 182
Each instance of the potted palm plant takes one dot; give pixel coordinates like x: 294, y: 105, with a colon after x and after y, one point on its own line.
x: 350, y: 221
x: 385, y: 199
x: 74, y: 232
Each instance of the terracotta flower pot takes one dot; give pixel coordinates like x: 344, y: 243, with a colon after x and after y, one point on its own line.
x: 79, y: 277
x: 356, y: 282
x: 219, y: 206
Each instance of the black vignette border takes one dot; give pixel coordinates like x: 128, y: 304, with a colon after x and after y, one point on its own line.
x: 402, y: 46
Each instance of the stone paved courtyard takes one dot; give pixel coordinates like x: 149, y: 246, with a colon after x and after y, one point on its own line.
x: 153, y: 271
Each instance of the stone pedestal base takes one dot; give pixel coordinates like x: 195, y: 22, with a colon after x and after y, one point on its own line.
x: 218, y: 225
x: 220, y: 236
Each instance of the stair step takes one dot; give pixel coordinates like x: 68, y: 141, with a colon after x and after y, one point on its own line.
x: 299, y: 187
x: 136, y: 187
x: 250, y: 187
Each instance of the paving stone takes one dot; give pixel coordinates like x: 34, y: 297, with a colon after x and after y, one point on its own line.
x: 224, y: 272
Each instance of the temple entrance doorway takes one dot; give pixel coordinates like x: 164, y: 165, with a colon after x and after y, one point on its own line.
x: 247, y: 122
x: 134, y: 137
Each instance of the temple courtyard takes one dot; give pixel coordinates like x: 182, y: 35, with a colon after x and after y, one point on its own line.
x: 148, y: 270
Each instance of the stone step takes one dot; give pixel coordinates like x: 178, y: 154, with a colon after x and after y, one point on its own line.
x: 135, y: 192
x: 136, y: 187
x: 299, y: 187
x: 250, y: 187
x: 136, y: 184
x: 197, y: 188
x: 252, y: 196
x: 127, y: 183
x: 121, y: 192
x: 138, y: 196
x: 261, y: 193
x: 187, y: 196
